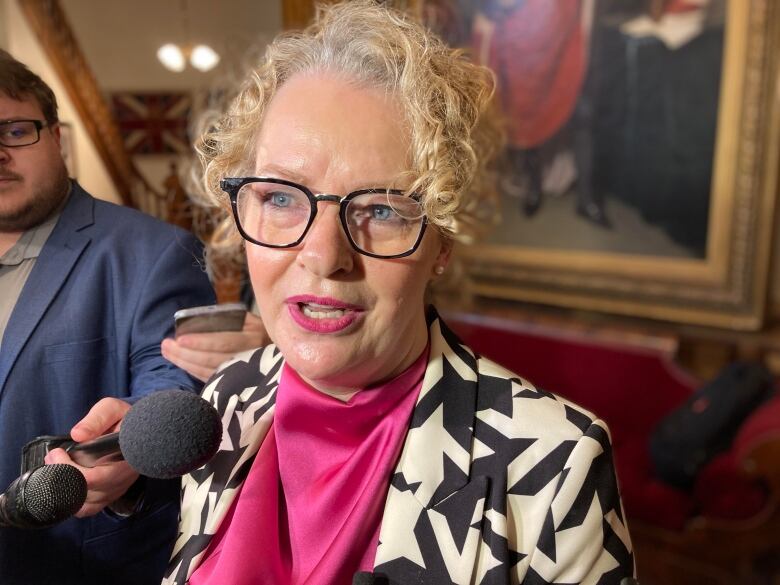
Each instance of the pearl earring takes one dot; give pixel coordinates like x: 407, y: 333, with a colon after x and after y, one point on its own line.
x: 438, y: 270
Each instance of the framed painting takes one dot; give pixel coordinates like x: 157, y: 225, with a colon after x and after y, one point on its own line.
x: 641, y: 165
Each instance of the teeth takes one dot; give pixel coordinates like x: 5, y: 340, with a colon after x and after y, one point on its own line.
x: 320, y: 312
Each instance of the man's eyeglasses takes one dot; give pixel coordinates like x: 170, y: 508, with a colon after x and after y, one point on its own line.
x: 381, y: 223
x: 15, y: 133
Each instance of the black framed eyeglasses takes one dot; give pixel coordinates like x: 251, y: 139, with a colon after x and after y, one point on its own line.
x: 15, y: 133
x: 276, y: 213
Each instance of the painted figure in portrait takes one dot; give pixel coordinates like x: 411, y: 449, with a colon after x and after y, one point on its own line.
x: 611, y: 114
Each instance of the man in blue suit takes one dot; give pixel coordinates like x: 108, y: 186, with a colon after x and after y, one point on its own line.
x: 87, y: 293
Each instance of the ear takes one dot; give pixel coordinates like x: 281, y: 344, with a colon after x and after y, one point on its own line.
x: 443, y: 257
x: 55, y: 132
x: 445, y: 252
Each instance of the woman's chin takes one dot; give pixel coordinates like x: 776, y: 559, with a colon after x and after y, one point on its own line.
x: 335, y: 383
x: 319, y: 365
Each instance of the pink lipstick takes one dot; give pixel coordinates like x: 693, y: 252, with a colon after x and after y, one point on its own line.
x: 322, y: 314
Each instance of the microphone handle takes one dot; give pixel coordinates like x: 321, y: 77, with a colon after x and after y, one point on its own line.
x: 104, y: 449
x: 13, y: 508
x: 14, y: 511
x: 5, y: 519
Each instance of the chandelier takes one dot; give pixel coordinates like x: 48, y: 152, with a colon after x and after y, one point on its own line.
x: 175, y: 56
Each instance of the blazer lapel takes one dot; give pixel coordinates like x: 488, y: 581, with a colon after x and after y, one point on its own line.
x: 432, y: 501
x: 209, y: 492
x: 58, y: 258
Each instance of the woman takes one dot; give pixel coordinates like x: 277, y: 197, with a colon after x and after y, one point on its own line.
x: 368, y: 438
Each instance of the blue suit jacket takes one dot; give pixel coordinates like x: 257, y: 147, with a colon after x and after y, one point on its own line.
x: 88, y: 324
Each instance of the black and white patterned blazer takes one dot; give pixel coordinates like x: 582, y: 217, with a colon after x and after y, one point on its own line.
x: 497, y: 482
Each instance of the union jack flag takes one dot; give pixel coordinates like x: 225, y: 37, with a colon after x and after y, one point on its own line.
x: 153, y: 123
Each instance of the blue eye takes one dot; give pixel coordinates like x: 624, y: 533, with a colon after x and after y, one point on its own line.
x: 382, y: 212
x: 279, y: 199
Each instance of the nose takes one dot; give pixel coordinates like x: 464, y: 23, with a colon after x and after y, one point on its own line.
x: 5, y: 154
x: 326, y: 251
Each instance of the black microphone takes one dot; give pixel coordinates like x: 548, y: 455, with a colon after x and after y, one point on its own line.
x: 43, y: 497
x: 165, y: 434
x: 368, y: 578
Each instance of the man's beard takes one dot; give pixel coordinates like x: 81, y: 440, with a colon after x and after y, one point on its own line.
x: 40, y: 207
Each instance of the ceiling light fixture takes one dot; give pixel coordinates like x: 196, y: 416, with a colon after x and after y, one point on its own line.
x: 204, y: 58
x: 174, y: 57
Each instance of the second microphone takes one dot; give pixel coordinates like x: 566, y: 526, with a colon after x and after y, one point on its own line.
x: 164, y: 435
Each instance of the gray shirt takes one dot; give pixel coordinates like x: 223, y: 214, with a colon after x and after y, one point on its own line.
x: 17, y: 264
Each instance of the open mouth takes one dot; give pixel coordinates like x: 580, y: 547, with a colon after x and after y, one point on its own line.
x: 317, y: 311
x: 323, y: 315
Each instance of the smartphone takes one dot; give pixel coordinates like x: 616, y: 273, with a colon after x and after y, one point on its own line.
x: 209, y: 318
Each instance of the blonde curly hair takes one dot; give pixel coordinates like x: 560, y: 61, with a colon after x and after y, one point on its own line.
x: 446, y: 98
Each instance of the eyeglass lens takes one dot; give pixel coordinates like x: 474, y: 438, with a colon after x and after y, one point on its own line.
x: 383, y: 224
x: 18, y: 133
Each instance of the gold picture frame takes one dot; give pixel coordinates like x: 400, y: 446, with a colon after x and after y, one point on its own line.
x: 727, y: 286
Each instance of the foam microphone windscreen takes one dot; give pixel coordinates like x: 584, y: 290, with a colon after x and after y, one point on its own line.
x: 43, y: 497
x: 169, y: 433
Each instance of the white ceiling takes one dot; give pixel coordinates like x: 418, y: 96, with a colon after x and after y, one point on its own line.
x: 120, y: 38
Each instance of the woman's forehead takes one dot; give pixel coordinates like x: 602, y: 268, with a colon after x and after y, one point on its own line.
x: 332, y: 100
x: 322, y: 125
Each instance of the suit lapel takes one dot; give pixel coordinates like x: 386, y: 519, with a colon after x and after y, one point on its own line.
x: 56, y: 261
x: 209, y: 492
x: 442, y: 422
x: 432, y: 488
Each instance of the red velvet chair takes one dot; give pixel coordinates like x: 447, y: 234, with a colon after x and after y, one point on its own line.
x: 727, y: 528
